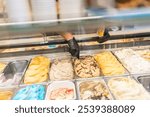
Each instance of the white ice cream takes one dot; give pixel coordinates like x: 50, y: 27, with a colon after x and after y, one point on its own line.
x: 133, y: 61
x: 126, y: 88
x: 61, y: 70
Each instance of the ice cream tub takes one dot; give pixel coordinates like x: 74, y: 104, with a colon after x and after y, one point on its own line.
x: 145, y: 81
x: 132, y: 61
x: 86, y: 67
x: 37, y: 71
x: 61, y: 90
x: 62, y: 69
x: 126, y: 88
x: 109, y: 64
x: 13, y: 73
x: 30, y: 92
x: 93, y: 90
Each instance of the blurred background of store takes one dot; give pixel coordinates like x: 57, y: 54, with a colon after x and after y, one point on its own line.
x: 37, y: 11
x: 121, y: 4
x: 60, y: 9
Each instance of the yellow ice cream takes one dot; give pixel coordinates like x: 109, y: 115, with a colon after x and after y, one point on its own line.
x: 38, y: 70
x: 5, y: 95
x: 108, y: 64
x: 2, y: 66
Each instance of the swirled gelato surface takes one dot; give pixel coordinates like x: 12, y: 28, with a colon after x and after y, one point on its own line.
x: 127, y: 89
x: 31, y: 92
x: 38, y: 70
x: 61, y: 70
x: 133, y: 61
x: 62, y: 94
x: 108, y: 64
x: 92, y: 90
x: 86, y: 67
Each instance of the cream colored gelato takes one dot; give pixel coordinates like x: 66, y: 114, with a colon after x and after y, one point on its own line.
x: 92, y: 90
x: 133, y: 61
x: 61, y: 70
x: 127, y: 89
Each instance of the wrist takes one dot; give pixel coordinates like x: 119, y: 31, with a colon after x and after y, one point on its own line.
x: 67, y: 36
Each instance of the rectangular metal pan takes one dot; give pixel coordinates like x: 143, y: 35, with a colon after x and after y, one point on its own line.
x: 130, y: 77
x: 45, y: 82
x: 101, y: 80
x: 60, y: 84
x: 14, y: 72
x: 79, y: 78
x: 133, y: 74
x: 17, y: 89
x: 69, y: 58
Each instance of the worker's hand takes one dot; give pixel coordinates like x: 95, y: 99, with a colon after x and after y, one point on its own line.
x: 72, y: 43
x: 103, y: 35
x: 74, y: 48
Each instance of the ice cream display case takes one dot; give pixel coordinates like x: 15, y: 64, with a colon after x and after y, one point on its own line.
x: 35, y: 63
